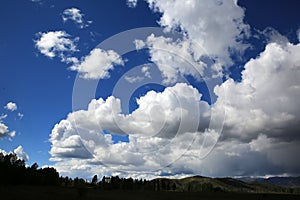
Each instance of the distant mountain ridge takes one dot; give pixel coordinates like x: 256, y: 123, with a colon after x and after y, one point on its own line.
x: 248, y: 185
x: 287, y: 182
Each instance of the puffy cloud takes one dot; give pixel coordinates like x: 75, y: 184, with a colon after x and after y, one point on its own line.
x: 97, y: 64
x: 70, y: 147
x: 56, y: 43
x: 205, y: 25
x: 152, y: 157
x: 158, y: 118
x: 266, y: 100
x: 259, y: 135
x: 139, y: 44
x: 174, y: 58
x: 165, y: 114
x: 4, y: 131
x: 235, y: 158
x: 146, y: 71
x: 21, y: 154
x: 262, y: 116
x: 75, y: 15
x: 169, y: 132
x: 157, y: 113
x: 204, y: 37
x: 12, y: 134
x: 132, y: 3
x: 11, y: 106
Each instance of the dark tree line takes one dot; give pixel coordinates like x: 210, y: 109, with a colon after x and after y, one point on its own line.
x: 14, y: 172
x: 117, y: 183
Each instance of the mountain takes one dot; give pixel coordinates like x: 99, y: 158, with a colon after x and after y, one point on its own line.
x: 207, y: 184
x: 287, y: 182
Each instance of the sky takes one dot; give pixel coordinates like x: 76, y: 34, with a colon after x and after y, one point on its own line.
x: 152, y: 88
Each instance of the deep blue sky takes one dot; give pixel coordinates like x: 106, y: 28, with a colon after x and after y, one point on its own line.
x: 42, y: 87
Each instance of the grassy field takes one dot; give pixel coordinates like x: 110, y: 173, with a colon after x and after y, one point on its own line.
x: 57, y: 193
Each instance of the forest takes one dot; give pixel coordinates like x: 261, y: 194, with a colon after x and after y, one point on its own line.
x: 15, y: 174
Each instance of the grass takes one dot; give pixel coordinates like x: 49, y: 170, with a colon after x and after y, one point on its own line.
x: 57, y: 193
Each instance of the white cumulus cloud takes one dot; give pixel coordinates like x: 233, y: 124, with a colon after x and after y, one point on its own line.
x: 260, y: 129
x: 56, y: 44
x: 146, y: 71
x: 162, y: 115
x: 173, y: 58
x: 3, y: 130
x: 266, y: 100
x: 169, y: 132
x: 97, y: 64
x: 11, y: 106
x: 21, y: 154
x: 205, y: 25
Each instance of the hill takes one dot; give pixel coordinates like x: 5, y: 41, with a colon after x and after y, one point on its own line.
x: 287, y: 182
x: 207, y: 184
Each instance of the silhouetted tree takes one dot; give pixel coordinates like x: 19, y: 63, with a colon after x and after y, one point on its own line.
x: 14, y: 172
x: 95, y: 180
x: 115, y: 182
x: 34, y: 166
x: 163, y: 185
x: 157, y: 185
x: 174, y: 187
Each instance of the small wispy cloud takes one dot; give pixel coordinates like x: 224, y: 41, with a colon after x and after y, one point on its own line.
x: 133, y: 79
x: 75, y: 15
x: 20, y: 115
x: 145, y: 71
x: 132, y: 3
x: 38, y: 2
x: 3, y: 116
